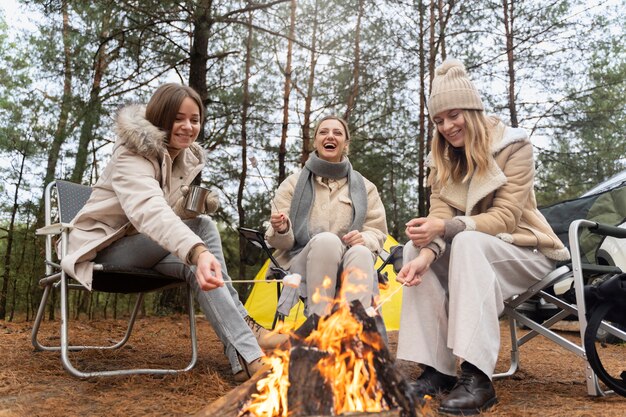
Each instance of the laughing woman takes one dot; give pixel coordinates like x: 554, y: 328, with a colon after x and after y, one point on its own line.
x: 328, y: 218
x: 482, y: 242
x: 136, y: 217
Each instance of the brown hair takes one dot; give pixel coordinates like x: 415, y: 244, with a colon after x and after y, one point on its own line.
x: 163, y: 106
x: 459, y: 166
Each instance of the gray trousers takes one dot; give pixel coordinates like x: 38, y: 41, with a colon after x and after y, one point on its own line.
x: 221, y: 306
x: 453, y: 313
x: 325, y: 255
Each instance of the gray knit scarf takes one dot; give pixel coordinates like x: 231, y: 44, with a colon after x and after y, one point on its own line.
x: 303, y: 196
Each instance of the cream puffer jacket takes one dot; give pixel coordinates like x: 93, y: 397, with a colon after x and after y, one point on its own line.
x: 136, y: 193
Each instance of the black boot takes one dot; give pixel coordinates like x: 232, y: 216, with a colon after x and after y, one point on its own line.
x: 432, y: 382
x: 472, y: 394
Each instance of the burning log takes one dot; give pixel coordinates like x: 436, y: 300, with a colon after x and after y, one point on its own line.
x: 336, y: 364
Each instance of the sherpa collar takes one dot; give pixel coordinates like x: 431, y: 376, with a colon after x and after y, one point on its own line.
x: 137, y: 134
x: 465, y: 196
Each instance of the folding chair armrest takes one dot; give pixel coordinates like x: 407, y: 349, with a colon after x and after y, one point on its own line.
x: 53, y: 229
x: 277, y: 272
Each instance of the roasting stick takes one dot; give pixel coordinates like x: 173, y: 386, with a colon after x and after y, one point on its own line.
x: 388, y: 298
x: 255, y: 164
x: 291, y: 280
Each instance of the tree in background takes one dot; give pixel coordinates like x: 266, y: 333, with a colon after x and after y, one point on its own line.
x: 371, y: 61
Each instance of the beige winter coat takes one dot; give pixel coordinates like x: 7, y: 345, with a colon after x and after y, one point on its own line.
x: 331, y: 212
x: 501, y: 203
x: 135, y: 194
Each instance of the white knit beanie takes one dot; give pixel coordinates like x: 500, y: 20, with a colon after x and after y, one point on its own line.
x: 452, y: 89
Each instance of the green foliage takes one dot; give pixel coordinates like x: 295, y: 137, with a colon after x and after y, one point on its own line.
x: 591, y: 147
x: 569, y: 91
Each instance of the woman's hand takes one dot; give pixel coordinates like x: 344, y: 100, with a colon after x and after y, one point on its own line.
x: 279, y: 222
x: 353, y: 238
x: 411, y: 273
x: 424, y: 230
x: 208, y: 271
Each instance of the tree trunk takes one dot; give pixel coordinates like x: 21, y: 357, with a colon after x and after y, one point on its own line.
x: 508, y: 7
x: 442, y: 30
x: 66, y: 99
x: 282, y: 151
x: 421, y: 176
x: 245, y: 109
x: 306, y: 124
x: 6, y: 274
x: 357, y: 60
x: 198, y: 55
x: 92, y: 113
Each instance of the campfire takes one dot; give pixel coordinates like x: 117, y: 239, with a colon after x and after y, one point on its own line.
x: 335, y: 365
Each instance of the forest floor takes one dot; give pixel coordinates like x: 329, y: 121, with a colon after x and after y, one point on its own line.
x: 549, y: 383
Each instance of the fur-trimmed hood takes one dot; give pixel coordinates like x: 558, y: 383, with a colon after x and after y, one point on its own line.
x: 137, y: 134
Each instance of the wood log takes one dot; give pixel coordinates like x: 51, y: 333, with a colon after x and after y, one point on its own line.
x: 309, y: 394
x: 231, y: 404
x: 396, y: 390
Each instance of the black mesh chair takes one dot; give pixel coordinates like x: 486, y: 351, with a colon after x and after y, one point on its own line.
x: 69, y: 199
x: 576, y: 273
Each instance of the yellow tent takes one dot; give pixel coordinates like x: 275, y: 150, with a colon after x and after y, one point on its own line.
x: 261, y: 303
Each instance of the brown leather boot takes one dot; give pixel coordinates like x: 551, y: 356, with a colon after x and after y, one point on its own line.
x: 248, y: 369
x: 473, y: 393
x: 268, y: 340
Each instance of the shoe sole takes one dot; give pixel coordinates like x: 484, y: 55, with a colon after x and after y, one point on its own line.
x: 469, y: 411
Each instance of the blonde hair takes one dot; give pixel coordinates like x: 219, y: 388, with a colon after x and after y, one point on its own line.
x: 457, y: 165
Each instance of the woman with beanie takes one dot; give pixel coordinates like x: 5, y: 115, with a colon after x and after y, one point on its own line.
x: 482, y: 242
x: 136, y: 217
x: 328, y: 218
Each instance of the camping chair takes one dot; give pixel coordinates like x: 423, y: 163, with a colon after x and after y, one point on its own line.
x: 577, y: 271
x: 70, y: 198
x: 277, y: 273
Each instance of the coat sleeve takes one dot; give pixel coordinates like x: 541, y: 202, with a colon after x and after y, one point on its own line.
x: 504, y: 215
x: 282, y: 202
x: 135, y: 183
x: 375, y: 226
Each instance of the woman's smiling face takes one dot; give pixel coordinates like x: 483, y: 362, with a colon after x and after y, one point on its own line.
x: 186, y: 125
x: 451, y: 125
x: 330, y: 140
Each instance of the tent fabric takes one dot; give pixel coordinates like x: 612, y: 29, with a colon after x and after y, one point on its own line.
x: 262, y: 301
x: 605, y: 207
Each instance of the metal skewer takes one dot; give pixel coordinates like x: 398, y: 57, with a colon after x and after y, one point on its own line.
x: 255, y: 165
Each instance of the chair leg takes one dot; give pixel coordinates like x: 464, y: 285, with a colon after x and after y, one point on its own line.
x: 514, y: 351
x: 277, y: 316
x: 65, y: 347
x: 38, y: 318
x: 41, y: 312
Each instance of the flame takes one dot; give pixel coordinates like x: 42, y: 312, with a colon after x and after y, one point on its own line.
x: 348, y: 366
x: 271, y: 396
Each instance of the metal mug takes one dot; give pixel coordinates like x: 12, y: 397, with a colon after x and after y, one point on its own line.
x: 196, y: 197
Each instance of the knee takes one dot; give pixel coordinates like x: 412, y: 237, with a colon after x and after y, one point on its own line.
x: 361, y: 255
x: 203, y: 226
x: 327, y: 244
x: 466, y: 239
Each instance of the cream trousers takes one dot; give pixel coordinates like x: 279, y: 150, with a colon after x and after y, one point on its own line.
x: 453, y: 313
x: 325, y: 256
